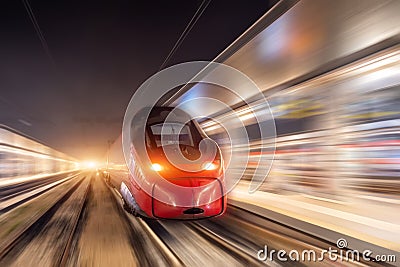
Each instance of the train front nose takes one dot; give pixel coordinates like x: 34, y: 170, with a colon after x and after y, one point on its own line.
x: 188, y: 198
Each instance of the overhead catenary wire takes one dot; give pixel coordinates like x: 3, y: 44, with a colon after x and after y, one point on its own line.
x: 200, y: 10
x: 39, y: 32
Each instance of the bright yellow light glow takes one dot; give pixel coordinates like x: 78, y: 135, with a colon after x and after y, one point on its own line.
x: 210, y: 166
x: 89, y: 165
x: 156, y: 167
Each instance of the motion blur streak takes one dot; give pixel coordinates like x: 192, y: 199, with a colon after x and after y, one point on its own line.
x: 23, y: 159
x: 331, y: 74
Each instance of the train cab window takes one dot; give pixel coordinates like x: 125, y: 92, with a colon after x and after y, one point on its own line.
x: 173, y: 133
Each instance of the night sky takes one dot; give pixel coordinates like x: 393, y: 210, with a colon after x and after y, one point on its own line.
x: 71, y: 90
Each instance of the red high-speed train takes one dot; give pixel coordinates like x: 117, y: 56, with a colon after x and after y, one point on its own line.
x: 159, y: 187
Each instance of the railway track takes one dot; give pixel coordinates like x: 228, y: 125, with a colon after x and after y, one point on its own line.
x: 194, y: 243
x: 249, y: 232
x: 149, y: 248
x: 233, y: 239
x: 75, y: 222
x: 21, y: 194
x: 240, y: 234
x: 198, y: 247
x: 246, y: 256
x: 47, y: 241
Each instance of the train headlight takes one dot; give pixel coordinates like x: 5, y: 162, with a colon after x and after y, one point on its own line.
x: 209, y: 166
x: 156, y: 167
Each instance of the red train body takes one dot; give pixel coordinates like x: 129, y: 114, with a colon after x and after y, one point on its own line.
x: 161, y: 189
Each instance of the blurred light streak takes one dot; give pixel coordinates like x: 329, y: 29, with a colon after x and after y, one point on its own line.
x: 22, y: 158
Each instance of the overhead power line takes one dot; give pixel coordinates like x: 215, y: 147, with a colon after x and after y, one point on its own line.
x: 39, y: 32
x: 186, y: 31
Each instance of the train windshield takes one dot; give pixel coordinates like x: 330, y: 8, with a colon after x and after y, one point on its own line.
x: 173, y: 133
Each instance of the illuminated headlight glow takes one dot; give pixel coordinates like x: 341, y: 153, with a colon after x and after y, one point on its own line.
x: 156, y: 167
x: 209, y: 166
